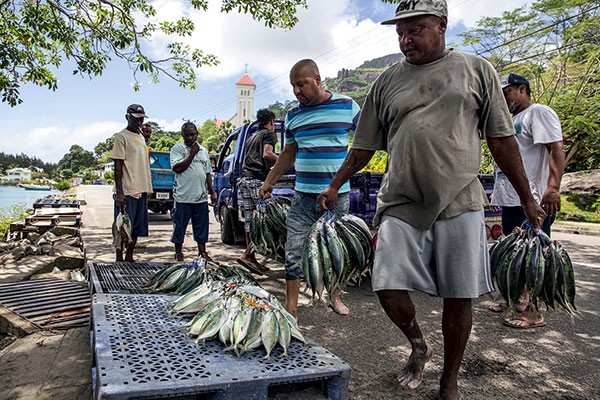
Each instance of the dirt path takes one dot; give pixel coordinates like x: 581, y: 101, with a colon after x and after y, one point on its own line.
x: 559, y: 361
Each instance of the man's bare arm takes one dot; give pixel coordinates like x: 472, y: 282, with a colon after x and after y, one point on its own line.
x: 551, y: 198
x: 286, y: 160
x: 119, y: 195
x: 354, y: 162
x: 268, y: 153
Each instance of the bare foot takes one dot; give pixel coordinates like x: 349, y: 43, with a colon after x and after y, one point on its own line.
x: 521, y: 305
x: 338, y: 306
x: 205, y: 256
x: 412, y: 373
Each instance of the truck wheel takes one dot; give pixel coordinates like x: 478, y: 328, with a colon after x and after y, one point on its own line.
x: 227, y: 234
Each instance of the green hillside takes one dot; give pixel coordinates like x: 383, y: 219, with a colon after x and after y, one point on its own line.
x: 357, y: 82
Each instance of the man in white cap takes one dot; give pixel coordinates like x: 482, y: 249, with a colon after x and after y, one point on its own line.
x: 429, y: 112
x: 133, y: 181
x: 539, y: 135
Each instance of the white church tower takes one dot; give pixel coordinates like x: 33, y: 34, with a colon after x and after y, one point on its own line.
x: 245, y: 88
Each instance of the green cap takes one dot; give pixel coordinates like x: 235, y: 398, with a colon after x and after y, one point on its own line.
x: 414, y: 8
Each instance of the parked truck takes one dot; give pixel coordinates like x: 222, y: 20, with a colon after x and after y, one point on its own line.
x: 229, y: 209
x: 161, y: 198
x: 363, y: 187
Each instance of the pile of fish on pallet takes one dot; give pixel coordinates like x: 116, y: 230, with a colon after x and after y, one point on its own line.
x: 226, y: 303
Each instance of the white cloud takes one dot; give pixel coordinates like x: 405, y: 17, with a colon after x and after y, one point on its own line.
x: 51, y: 143
x: 470, y: 11
x: 330, y: 31
x: 169, y: 125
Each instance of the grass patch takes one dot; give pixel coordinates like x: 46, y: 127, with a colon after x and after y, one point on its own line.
x: 579, y: 208
x: 9, y: 215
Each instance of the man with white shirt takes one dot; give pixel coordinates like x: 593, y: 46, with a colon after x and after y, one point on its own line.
x: 539, y: 136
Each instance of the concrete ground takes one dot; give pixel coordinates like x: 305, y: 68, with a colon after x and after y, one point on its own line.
x: 560, y: 361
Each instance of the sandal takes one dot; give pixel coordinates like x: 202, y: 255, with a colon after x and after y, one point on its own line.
x: 250, y: 267
x: 521, y: 323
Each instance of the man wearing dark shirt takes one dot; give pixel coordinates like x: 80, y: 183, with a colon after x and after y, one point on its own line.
x: 258, y: 161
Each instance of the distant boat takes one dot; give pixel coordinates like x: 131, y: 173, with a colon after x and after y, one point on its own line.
x: 34, y: 187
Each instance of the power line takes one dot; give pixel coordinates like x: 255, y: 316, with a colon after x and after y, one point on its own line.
x: 566, y: 46
x: 536, y: 31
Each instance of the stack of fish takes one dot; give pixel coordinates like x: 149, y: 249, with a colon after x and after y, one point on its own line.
x: 242, y: 316
x: 337, y: 249
x: 268, y: 227
x: 525, y: 259
x: 184, y: 277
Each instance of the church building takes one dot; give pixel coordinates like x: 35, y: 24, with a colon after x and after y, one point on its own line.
x: 245, y: 89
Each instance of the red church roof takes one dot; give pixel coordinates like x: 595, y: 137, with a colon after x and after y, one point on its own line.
x: 246, y: 81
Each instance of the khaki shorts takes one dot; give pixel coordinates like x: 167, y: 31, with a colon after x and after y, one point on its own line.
x: 450, y: 260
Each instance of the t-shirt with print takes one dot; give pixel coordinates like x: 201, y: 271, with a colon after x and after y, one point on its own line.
x: 535, y: 126
x: 321, y: 133
x: 429, y: 119
x: 190, y: 185
x: 131, y: 148
x: 255, y: 166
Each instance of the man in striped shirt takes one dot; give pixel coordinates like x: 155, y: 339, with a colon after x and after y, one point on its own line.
x: 316, y: 143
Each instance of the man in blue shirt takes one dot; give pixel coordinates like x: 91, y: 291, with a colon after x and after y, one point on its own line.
x: 316, y: 143
x: 193, y: 183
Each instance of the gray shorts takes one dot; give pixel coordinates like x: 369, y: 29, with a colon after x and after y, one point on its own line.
x: 450, y: 260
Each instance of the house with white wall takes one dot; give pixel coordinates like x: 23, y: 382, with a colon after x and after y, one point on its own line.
x: 18, y: 174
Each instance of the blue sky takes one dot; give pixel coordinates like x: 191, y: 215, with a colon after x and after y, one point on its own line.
x: 335, y: 33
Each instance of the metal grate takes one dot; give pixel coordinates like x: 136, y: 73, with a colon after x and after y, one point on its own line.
x: 142, y: 352
x: 121, y: 277
x: 48, y: 303
x: 50, y: 201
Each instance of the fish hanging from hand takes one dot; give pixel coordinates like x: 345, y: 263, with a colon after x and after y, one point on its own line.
x: 121, y: 230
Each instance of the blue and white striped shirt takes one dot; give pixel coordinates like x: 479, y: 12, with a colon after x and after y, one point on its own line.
x: 321, y: 133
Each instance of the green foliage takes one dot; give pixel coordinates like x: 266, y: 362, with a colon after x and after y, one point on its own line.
x: 39, y: 35
x: 556, y: 45
x: 109, y: 176
x: 280, y: 109
x: 89, y: 175
x: 378, y: 163
x: 77, y: 159
x: 8, y: 161
x: 104, y: 148
x: 487, y: 161
x: 579, y: 208
x: 66, y: 173
x: 9, y: 215
x: 63, y: 185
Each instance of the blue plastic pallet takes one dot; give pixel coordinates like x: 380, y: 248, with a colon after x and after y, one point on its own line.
x: 141, y: 353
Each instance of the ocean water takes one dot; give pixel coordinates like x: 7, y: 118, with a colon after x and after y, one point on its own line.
x: 10, y: 195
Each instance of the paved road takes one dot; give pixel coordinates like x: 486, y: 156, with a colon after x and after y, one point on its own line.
x: 568, y: 348
x: 560, y: 361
